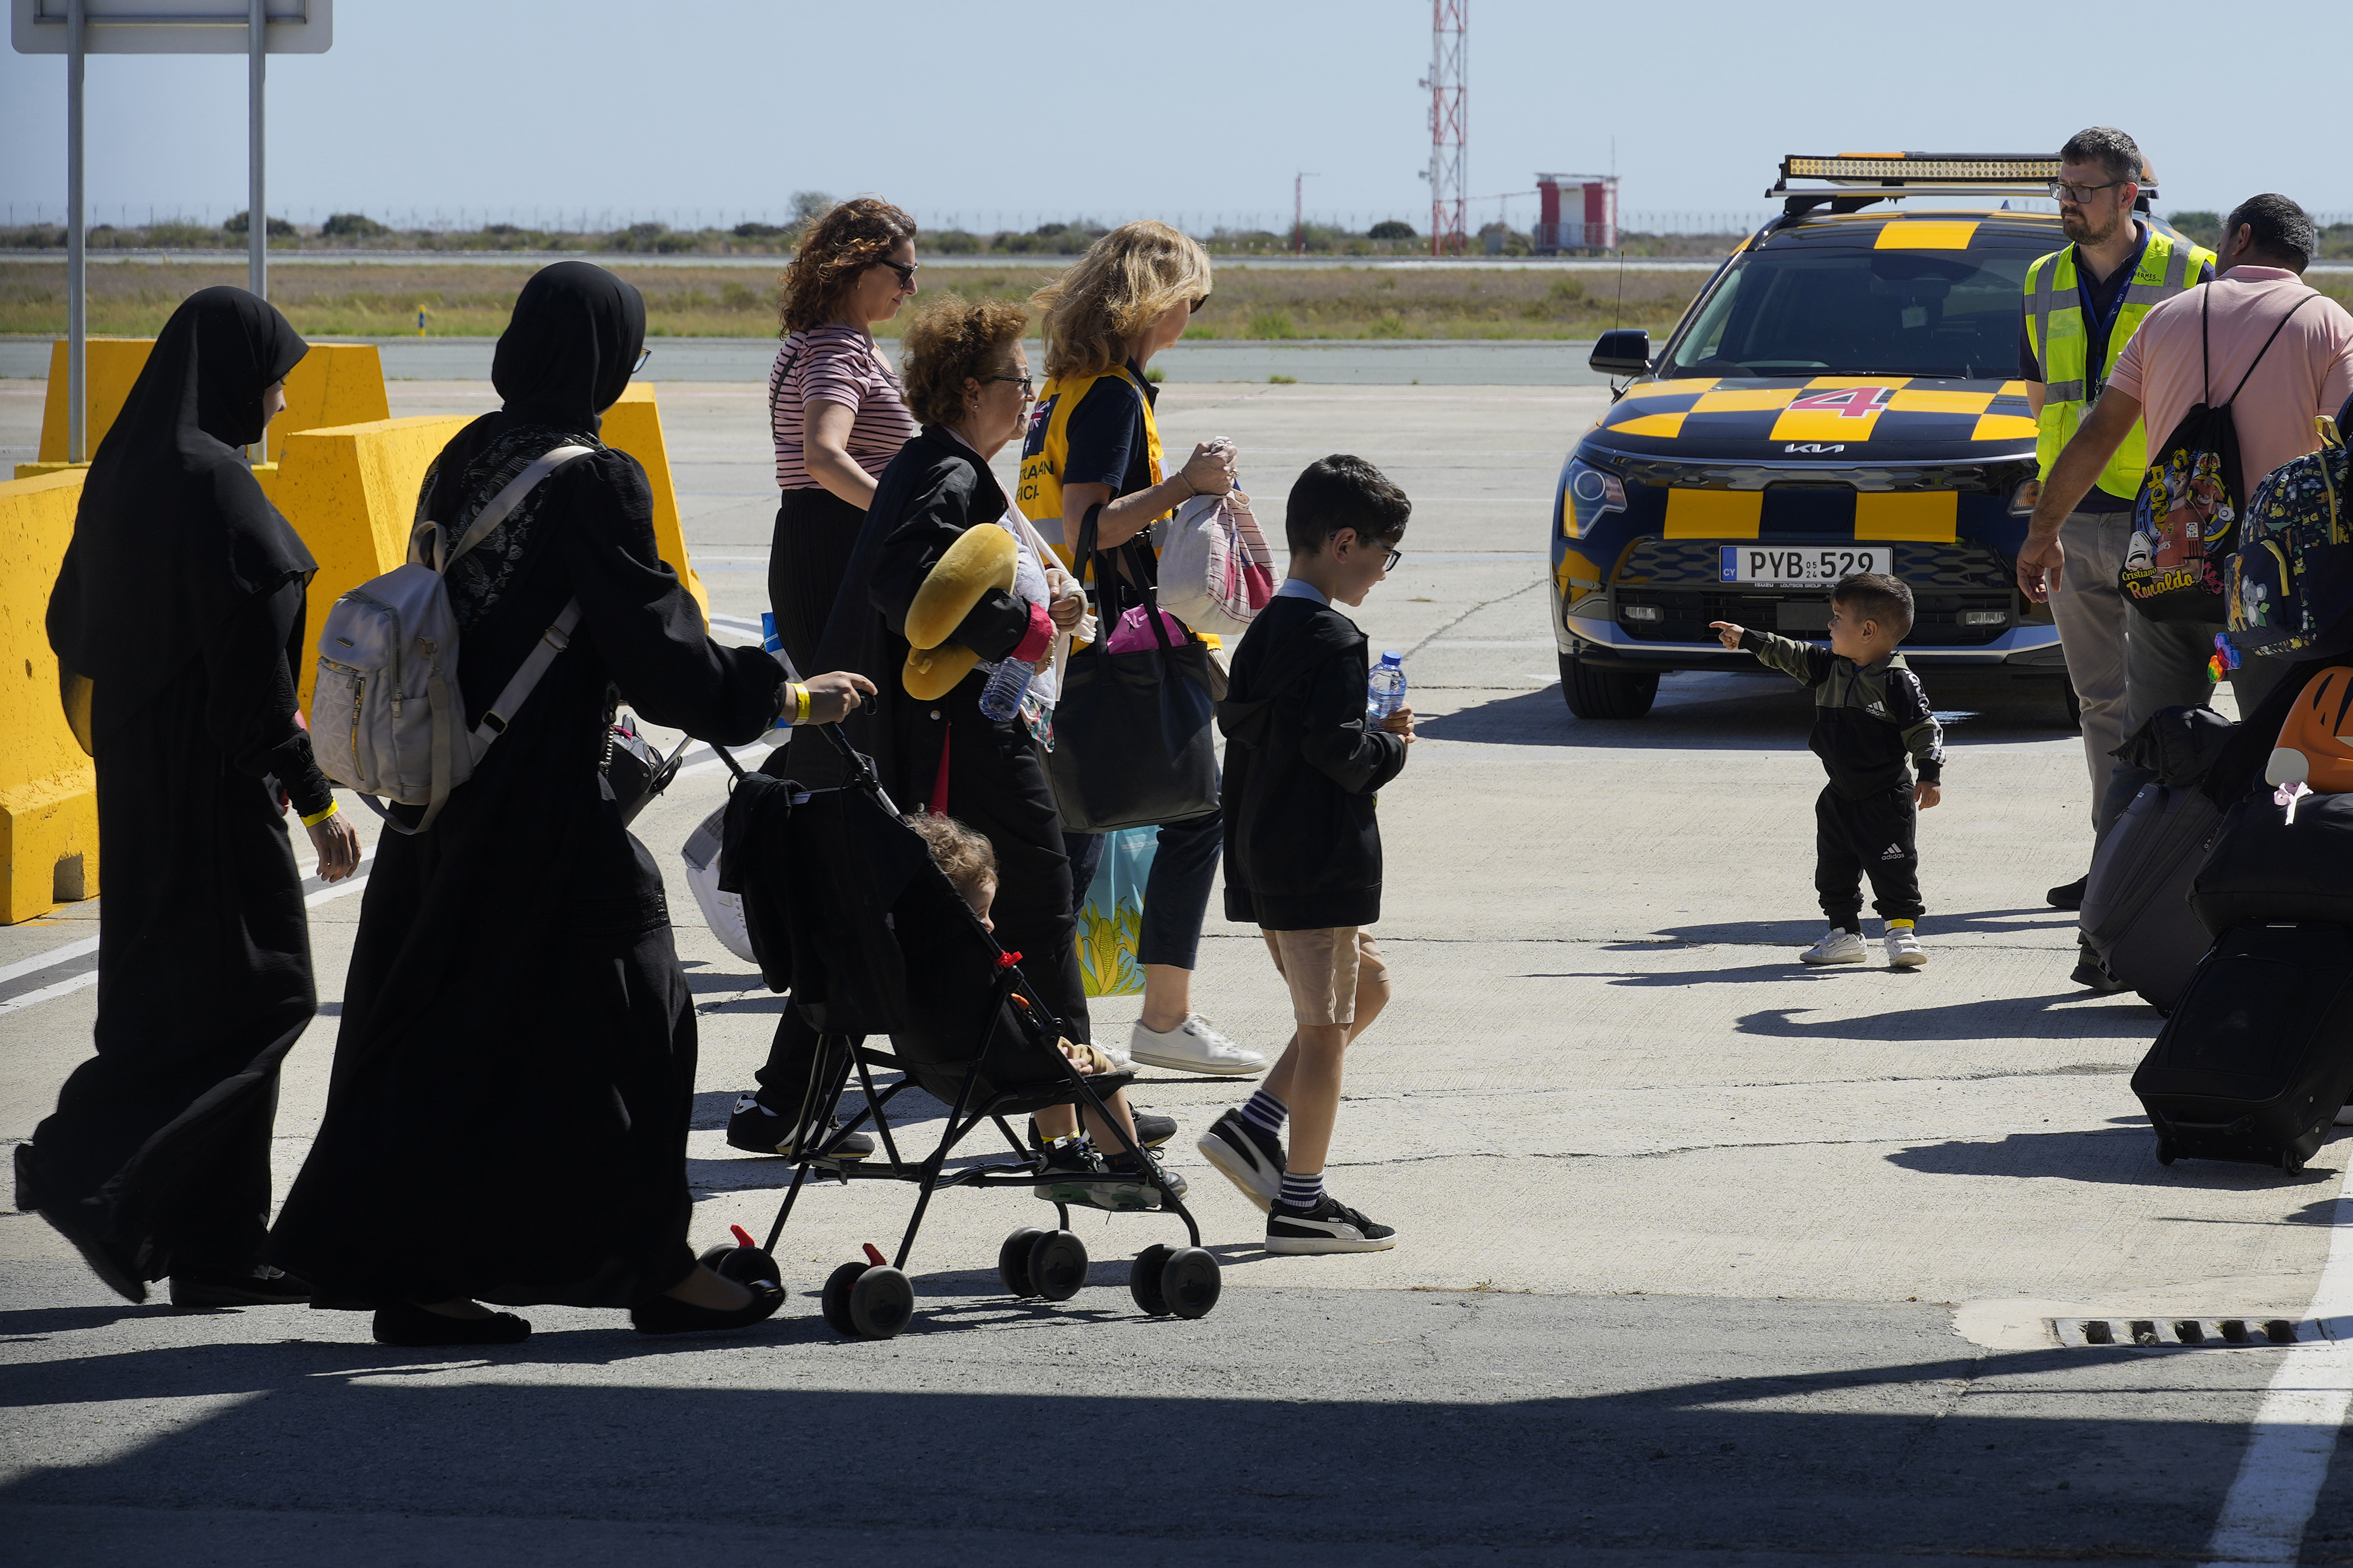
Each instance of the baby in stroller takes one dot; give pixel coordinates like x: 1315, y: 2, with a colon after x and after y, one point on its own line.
x: 969, y: 862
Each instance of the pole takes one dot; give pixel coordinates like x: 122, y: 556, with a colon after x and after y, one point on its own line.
x: 77, y: 298
x: 256, y: 202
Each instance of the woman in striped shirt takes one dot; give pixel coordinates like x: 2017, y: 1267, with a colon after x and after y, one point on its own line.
x: 836, y: 407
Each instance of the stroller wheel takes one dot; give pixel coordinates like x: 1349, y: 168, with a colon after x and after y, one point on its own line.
x: 2165, y: 1151
x: 836, y: 1299
x: 1058, y: 1264
x: 880, y: 1302
x: 1190, y: 1283
x: 742, y: 1264
x: 1013, y: 1262
x: 1143, y: 1279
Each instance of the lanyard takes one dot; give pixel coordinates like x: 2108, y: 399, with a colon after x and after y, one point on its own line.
x: 2096, y: 376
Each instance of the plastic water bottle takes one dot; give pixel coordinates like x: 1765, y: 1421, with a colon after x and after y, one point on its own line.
x: 1384, y: 689
x: 1007, y: 683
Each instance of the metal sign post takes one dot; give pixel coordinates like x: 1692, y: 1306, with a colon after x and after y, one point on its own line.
x: 77, y: 28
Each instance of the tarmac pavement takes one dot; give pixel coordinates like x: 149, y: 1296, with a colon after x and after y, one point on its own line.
x: 1705, y: 1258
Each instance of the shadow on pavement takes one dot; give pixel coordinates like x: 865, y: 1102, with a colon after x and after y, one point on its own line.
x: 2107, y: 1156
x: 1747, y: 1444
x: 1993, y: 1018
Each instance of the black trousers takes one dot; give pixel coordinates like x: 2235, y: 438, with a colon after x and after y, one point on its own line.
x: 809, y: 553
x: 1872, y: 836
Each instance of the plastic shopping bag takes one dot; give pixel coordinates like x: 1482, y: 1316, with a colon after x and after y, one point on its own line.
x: 1111, y: 921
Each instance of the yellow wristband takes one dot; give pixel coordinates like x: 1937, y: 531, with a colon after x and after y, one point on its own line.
x: 800, y: 704
x: 321, y: 816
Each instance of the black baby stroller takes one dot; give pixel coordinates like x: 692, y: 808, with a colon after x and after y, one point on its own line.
x: 847, y: 909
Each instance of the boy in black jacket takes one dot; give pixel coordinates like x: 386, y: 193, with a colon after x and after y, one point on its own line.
x: 1303, y: 850
x: 1870, y: 718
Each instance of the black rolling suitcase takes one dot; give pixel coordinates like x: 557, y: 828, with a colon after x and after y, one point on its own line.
x: 2258, y: 1054
x: 2136, y: 913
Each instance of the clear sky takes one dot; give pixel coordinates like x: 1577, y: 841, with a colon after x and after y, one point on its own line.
x: 1014, y: 114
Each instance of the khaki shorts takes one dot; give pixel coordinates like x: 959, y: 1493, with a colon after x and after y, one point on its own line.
x: 1325, y: 969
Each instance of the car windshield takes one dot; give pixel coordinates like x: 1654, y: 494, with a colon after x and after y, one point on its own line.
x: 1810, y: 311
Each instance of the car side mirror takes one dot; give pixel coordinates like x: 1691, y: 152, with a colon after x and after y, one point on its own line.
x: 1623, y: 351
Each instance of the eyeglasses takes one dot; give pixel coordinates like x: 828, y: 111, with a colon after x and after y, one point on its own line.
x: 1027, y: 388
x: 1391, y: 564
x: 1198, y: 303
x: 2068, y: 191
x: 906, y: 273
x: 642, y: 357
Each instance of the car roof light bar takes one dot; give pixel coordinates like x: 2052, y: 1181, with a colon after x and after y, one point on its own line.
x: 1890, y: 176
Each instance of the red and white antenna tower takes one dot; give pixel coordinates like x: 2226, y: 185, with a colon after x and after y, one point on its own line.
x: 1449, y: 119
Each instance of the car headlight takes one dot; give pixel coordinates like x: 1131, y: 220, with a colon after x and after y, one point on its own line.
x: 1588, y: 495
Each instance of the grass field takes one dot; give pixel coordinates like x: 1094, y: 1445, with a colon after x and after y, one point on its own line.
x: 132, y: 298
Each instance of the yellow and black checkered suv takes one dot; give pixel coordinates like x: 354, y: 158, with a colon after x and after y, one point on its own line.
x: 1841, y: 398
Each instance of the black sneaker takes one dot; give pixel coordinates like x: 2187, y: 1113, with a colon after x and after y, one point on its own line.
x: 1151, y: 1130
x: 1153, y: 1185
x: 756, y: 1130
x: 1246, y: 1156
x: 1330, y: 1226
x: 2069, y: 895
x: 260, y: 1286
x: 1071, y: 1156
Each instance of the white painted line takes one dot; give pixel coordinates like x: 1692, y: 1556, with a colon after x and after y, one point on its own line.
x: 2295, y: 1435
x: 49, y: 960
x: 48, y: 993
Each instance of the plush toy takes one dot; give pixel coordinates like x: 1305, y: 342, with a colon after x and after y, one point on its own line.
x: 2314, y: 748
x: 983, y: 558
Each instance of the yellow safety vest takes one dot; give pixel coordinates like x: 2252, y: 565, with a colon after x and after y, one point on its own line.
x: 1046, y: 449
x: 2055, y: 326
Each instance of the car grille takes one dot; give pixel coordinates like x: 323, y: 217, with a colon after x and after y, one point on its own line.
x: 1679, y: 576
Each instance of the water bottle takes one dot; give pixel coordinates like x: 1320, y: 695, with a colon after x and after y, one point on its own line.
x: 1001, y: 697
x: 1384, y: 689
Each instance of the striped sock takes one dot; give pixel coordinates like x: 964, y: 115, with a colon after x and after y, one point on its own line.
x: 1301, y: 1192
x: 1265, y: 1112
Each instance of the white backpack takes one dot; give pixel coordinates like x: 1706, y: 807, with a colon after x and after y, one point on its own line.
x: 386, y: 719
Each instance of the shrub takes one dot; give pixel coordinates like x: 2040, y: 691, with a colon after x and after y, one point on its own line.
x: 2205, y: 227
x: 757, y: 230
x: 1388, y: 324
x: 278, y: 227
x: 352, y: 226
x: 1273, y: 324
x: 1566, y: 290
x: 953, y: 242
x: 1391, y: 230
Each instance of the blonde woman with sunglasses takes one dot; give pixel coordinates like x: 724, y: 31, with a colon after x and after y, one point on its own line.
x: 1094, y: 450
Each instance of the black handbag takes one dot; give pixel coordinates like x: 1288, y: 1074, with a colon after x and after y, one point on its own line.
x: 1133, y: 743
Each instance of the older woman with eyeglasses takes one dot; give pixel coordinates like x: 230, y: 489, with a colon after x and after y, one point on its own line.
x: 1093, y: 451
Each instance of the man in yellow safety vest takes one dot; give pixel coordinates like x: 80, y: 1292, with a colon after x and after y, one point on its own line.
x: 2081, y: 306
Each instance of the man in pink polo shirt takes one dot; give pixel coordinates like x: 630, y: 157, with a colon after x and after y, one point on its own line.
x: 2163, y: 373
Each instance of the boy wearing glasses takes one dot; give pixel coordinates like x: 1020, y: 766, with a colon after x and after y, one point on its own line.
x: 1303, y: 847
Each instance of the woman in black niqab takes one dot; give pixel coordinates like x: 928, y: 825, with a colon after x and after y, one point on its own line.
x: 177, y: 620
x: 507, y: 1117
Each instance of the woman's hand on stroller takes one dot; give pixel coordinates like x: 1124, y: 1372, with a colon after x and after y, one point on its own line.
x: 834, y: 697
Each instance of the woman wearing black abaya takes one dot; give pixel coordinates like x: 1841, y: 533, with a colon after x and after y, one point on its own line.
x: 177, y: 621
x: 508, y: 1112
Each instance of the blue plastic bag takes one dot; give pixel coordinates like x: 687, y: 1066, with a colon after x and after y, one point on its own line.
x: 1111, y: 921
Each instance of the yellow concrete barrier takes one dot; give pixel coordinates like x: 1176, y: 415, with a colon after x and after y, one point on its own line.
x: 350, y: 491
x: 634, y: 426
x: 49, y: 787
x: 336, y: 383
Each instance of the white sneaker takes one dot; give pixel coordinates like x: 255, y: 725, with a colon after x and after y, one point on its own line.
x: 1839, y: 946
x: 1193, y: 1046
x: 1904, y: 949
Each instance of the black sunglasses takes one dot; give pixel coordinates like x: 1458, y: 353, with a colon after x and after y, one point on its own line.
x: 906, y: 273
x: 642, y: 357
x: 1198, y: 303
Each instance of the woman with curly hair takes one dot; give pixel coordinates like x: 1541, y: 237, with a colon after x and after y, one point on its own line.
x: 1093, y: 454
x: 836, y: 408
x: 968, y: 380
